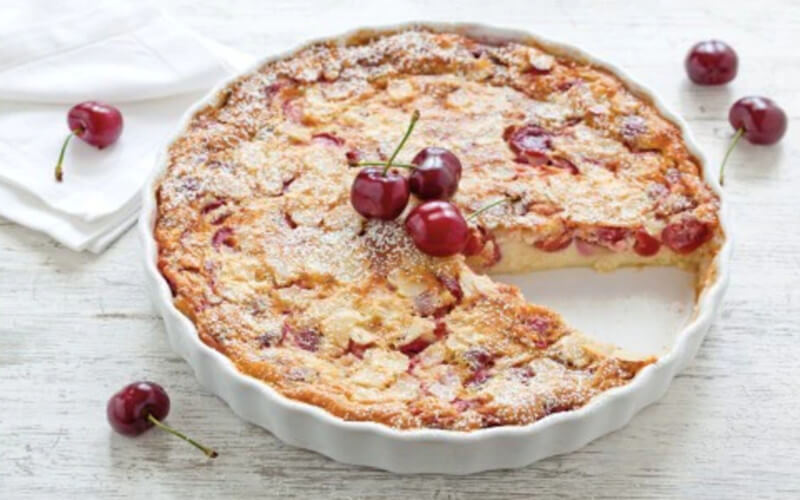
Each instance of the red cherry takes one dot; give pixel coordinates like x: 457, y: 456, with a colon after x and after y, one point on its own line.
x: 141, y: 405
x: 763, y: 121
x: 436, y: 174
x: 381, y: 194
x: 375, y: 195
x: 686, y: 236
x: 128, y: 409
x: 711, y: 63
x: 644, y: 244
x: 95, y: 123
x: 759, y: 120
x: 530, y: 143
x: 437, y: 228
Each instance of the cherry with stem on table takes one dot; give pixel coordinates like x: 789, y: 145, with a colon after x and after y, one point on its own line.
x: 757, y: 119
x: 96, y: 123
x: 141, y: 405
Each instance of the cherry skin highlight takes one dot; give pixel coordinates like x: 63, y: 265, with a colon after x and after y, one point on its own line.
x: 711, y: 62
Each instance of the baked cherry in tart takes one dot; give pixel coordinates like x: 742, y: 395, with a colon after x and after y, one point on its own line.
x: 530, y: 143
x: 686, y: 236
x: 645, y: 244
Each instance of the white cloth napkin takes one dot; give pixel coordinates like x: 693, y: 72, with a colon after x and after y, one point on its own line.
x: 133, y: 57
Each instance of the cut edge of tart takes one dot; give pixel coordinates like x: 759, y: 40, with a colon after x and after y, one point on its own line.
x: 265, y: 255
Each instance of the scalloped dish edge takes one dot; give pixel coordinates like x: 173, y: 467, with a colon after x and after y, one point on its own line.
x: 433, y: 450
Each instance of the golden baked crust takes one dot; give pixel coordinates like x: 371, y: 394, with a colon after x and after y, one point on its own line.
x: 263, y: 251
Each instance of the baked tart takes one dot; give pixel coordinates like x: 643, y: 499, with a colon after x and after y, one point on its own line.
x: 264, y: 253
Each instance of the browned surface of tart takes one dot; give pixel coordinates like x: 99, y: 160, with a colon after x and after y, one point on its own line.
x: 265, y: 255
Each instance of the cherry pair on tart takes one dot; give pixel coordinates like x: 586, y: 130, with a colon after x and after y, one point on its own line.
x: 758, y: 119
x: 383, y: 193
x: 436, y: 226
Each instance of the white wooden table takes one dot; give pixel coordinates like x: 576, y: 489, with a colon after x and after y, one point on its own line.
x: 75, y: 327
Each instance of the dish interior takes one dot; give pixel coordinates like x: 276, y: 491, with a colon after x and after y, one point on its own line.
x: 639, y: 310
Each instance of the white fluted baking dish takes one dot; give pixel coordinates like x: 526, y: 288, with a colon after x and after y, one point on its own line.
x: 430, y: 450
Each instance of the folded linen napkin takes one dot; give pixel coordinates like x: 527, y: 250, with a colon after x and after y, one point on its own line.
x: 133, y: 57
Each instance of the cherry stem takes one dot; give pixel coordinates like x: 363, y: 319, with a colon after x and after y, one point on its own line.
x: 59, y: 170
x: 383, y: 164
x: 736, y: 138
x: 414, y: 118
x: 487, y: 207
x: 208, y: 451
